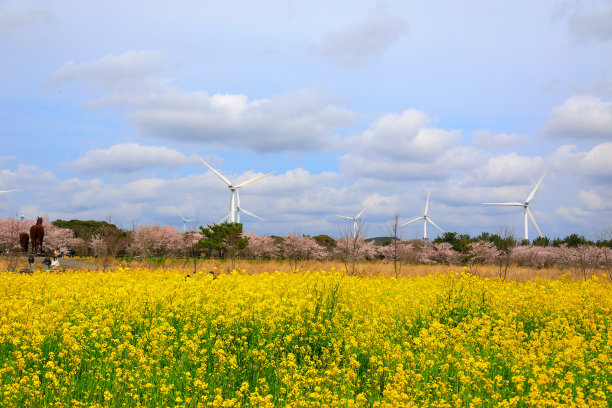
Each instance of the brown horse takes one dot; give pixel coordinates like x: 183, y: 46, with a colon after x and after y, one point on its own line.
x: 37, y: 233
x: 24, y: 238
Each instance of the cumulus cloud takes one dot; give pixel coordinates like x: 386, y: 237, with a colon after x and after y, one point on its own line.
x: 509, y: 169
x: 406, y: 146
x: 594, y: 200
x: 292, y: 122
x: 594, y: 164
x: 303, y: 120
x: 580, y: 118
x: 359, y: 43
x: 130, y: 157
x: 485, y: 139
x: 13, y: 21
x: 111, y: 69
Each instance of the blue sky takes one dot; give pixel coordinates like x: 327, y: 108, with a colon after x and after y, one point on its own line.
x: 106, y: 109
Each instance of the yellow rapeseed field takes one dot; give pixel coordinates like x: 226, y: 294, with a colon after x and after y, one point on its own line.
x: 153, y: 338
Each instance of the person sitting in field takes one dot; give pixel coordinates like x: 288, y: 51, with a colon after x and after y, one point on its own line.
x: 55, y: 263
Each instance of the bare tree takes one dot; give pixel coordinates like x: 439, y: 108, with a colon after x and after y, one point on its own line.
x: 395, y: 233
x: 351, y: 247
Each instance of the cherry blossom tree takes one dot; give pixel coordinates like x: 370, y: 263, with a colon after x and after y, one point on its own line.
x: 398, y: 252
x: 155, y: 240
x: 10, y: 228
x: 304, y: 248
x: 445, y: 254
x: 262, y: 247
x: 352, y: 250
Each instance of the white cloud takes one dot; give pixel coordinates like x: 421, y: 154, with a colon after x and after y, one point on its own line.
x: 580, y: 118
x: 594, y: 164
x: 485, y: 139
x: 509, y: 169
x: 594, y: 201
x: 298, y: 121
x: 292, y: 122
x: 404, y: 146
x: 130, y: 157
x: 359, y: 43
x: 111, y: 69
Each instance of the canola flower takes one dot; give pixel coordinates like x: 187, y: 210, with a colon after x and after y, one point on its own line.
x: 143, y: 338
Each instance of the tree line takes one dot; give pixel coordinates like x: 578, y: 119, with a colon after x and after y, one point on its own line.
x: 105, y: 240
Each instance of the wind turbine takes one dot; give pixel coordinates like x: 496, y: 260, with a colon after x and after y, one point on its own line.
x: 354, y: 221
x: 185, y: 221
x: 7, y: 191
x: 234, y: 196
x: 525, y: 205
x: 425, y: 220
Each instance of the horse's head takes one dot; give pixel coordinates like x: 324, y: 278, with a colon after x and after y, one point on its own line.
x: 39, y: 221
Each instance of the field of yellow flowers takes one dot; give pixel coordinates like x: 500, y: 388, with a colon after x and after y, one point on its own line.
x: 139, y: 337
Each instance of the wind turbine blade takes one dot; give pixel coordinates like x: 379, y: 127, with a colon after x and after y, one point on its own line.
x: 512, y: 204
x: 221, y: 176
x: 535, y: 188
x: 533, y: 220
x: 411, y: 221
x: 8, y: 191
x: 237, y: 199
x: 224, y: 218
x: 427, y: 203
x: 434, y: 224
x: 360, y: 213
x: 344, y: 216
x: 246, y: 183
x: 251, y: 214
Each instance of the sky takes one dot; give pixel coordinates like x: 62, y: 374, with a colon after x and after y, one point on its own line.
x: 106, y: 109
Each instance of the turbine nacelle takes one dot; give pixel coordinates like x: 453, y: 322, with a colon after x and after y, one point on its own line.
x: 525, y: 205
x: 234, y: 207
x: 425, y: 220
x: 354, y: 219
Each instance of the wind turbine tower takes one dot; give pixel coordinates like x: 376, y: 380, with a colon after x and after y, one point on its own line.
x: 354, y: 219
x: 525, y: 205
x: 185, y: 221
x: 234, y: 206
x: 425, y: 220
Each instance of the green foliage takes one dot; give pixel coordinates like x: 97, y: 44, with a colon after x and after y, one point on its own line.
x: 460, y: 242
x: 88, y: 229
x: 224, y: 239
x: 325, y: 241
x: 572, y: 241
x: 541, y: 241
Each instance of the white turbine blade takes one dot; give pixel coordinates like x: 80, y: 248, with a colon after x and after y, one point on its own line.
x: 237, y: 199
x: 224, y: 218
x: 344, y: 216
x: 411, y: 221
x: 251, y: 214
x: 246, y: 183
x: 512, y: 204
x: 360, y: 213
x: 434, y: 224
x: 427, y: 203
x: 8, y: 191
x: 221, y: 176
x: 535, y: 188
x: 533, y: 220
